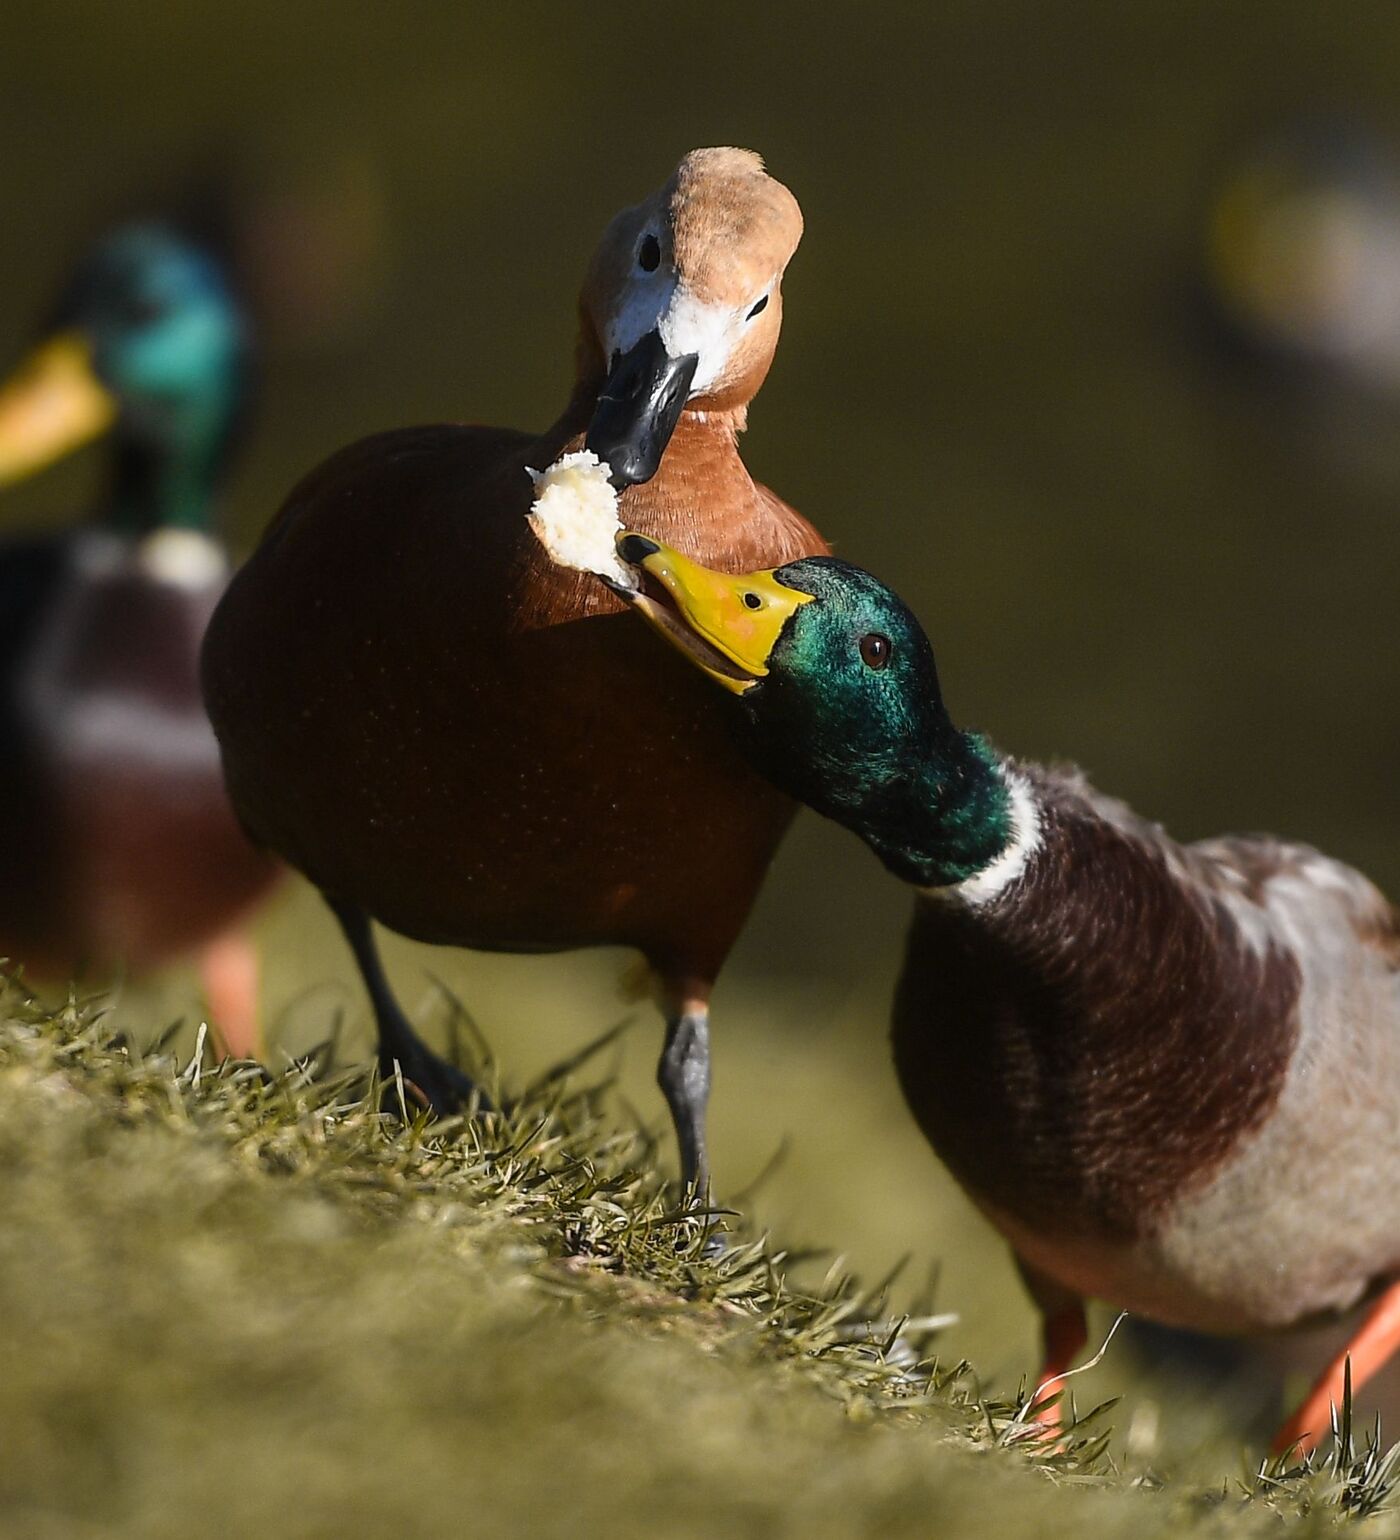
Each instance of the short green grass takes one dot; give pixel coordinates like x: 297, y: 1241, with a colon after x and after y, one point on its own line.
x: 251, y: 1304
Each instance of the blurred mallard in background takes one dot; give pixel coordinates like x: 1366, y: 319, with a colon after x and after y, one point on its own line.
x: 1303, y: 252
x: 117, y: 844
x: 1300, y: 277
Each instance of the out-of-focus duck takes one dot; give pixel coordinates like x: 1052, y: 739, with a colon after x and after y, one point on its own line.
x: 437, y: 725
x: 1298, y: 280
x: 117, y: 843
x: 1302, y: 257
x: 1169, y: 1074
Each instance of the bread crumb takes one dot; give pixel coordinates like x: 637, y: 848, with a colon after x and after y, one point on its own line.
x: 574, y: 516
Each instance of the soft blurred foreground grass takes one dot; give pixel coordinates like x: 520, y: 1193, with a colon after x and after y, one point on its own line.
x: 235, y: 1303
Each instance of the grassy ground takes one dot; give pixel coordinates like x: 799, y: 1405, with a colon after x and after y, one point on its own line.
x: 238, y: 1304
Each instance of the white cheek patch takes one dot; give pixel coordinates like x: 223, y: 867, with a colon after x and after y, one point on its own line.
x: 659, y: 302
x: 574, y: 516
x: 690, y: 326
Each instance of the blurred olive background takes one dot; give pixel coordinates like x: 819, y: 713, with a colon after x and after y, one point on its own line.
x: 1141, y: 535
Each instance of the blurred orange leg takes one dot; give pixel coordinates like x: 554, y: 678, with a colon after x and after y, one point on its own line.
x: 228, y: 969
x: 1065, y: 1332
x: 1375, y: 1341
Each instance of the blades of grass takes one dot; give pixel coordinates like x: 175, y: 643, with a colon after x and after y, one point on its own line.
x: 563, y: 1068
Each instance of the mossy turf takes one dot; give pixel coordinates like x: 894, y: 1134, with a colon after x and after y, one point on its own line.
x: 234, y: 1303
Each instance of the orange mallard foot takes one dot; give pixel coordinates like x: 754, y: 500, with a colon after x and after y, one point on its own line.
x: 1065, y: 1333
x: 1373, y: 1345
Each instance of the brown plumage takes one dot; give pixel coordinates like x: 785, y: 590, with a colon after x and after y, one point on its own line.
x: 1168, y: 1073
x: 1135, y: 1056
x: 440, y: 728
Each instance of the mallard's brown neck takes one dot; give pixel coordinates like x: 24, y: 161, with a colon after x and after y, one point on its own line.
x: 701, y: 490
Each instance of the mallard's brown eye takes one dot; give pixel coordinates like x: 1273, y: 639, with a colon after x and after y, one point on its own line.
x: 649, y: 254
x: 875, y: 650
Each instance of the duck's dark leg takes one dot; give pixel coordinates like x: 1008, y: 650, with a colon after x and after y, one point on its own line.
x: 684, y: 1074
x: 440, y: 1085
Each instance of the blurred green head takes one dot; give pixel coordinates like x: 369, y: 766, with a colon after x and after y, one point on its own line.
x: 839, y: 703
x: 148, y: 341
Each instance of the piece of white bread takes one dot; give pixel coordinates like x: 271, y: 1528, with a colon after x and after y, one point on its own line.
x: 574, y: 516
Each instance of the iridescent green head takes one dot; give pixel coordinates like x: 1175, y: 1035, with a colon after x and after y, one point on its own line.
x: 839, y: 703
x: 147, y: 341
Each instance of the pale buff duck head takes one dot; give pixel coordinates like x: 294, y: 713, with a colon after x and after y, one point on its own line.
x: 683, y: 304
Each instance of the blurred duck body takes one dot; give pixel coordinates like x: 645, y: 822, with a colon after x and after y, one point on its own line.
x: 1168, y: 1073
x: 117, y: 843
x: 437, y: 725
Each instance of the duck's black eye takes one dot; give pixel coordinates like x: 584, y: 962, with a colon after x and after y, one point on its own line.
x: 753, y: 601
x: 649, y: 254
x: 760, y: 305
x: 875, y: 650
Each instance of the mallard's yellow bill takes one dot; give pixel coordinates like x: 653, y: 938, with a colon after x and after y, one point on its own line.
x: 50, y: 405
x: 726, y: 625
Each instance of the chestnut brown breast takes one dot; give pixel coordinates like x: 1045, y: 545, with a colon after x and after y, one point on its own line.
x: 428, y: 719
x: 1087, y: 1056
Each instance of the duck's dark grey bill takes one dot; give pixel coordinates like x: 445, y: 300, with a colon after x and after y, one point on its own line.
x: 638, y: 408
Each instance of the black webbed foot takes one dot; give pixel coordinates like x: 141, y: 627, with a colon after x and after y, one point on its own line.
x: 431, y: 1082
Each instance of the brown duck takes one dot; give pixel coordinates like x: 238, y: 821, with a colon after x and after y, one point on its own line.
x: 1169, y: 1074
x: 439, y: 727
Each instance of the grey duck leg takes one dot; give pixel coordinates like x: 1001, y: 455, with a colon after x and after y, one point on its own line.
x: 684, y: 1077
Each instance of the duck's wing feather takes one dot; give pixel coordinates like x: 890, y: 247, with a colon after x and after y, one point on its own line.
x: 1275, y: 891
x: 1208, y: 1063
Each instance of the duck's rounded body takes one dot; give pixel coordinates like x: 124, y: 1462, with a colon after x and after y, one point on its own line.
x: 435, y: 723
x: 439, y: 726
x: 117, y: 841
x: 1169, y: 1074
x: 118, y: 845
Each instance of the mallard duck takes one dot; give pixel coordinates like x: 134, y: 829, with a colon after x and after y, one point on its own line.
x: 435, y: 724
x: 1167, y: 1073
x: 117, y: 843
x: 1302, y: 258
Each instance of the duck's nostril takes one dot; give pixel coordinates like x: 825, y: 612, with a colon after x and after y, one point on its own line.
x: 636, y: 548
